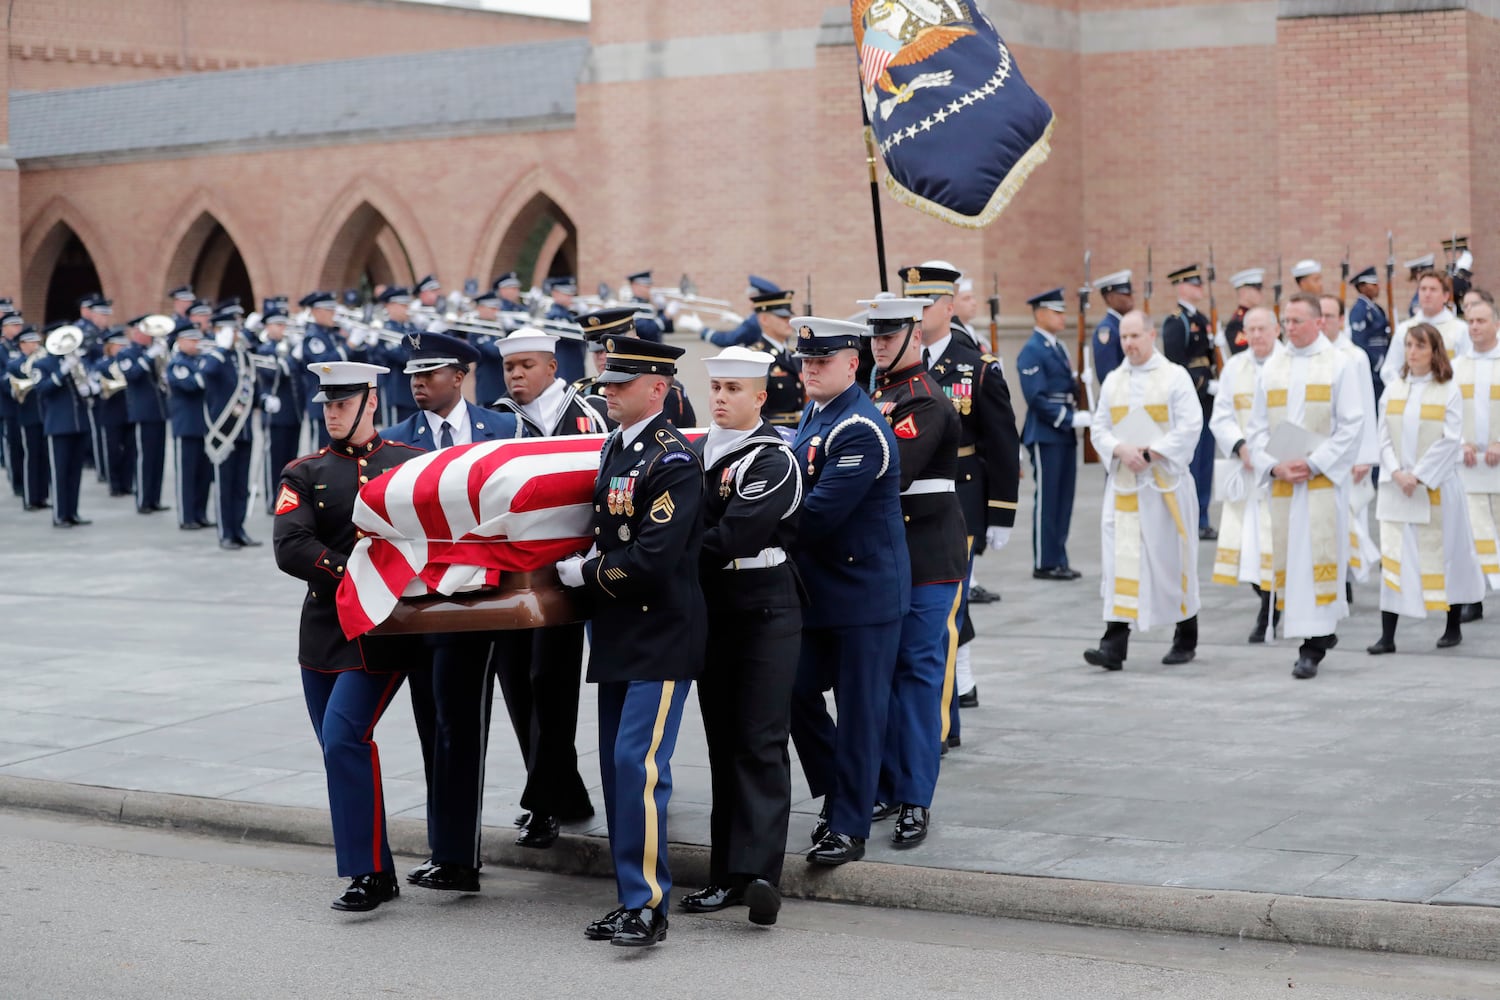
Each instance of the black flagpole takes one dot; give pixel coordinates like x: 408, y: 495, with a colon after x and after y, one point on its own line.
x: 870, y: 159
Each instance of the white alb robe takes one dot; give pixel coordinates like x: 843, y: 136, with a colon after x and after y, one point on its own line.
x: 1228, y: 422
x: 1478, y: 377
x: 1364, y: 551
x: 1455, y: 338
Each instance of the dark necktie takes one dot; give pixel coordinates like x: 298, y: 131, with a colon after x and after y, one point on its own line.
x: 446, y: 438
x: 926, y: 358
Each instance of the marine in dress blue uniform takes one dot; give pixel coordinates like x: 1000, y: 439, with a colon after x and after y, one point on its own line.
x: 143, y: 365
x: 36, y: 464
x: 111, y: 414
x: 185, y: 404
x: 281, y: 403
x: 641, y: 581
x: 322, y: 343
x: 570, y: 353
x: 1369, y: 326
x: 62, y: 391
x: 229, y: 392
x: 348, y: 684
x: 454, y: 735
x: 12, y: 445
x: 1119, y: 298
x: 1186, y: 340
x: 747, y: 332
x: 851, y: 555
x: 1050, y: 390
x: 927, y: 432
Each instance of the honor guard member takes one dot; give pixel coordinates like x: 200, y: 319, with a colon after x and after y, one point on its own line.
x: 1368, y: 323
x: 641, y: 579
x: 63, y: 391
x: 540, y: 669
x: 22, y: 377
x: 751, y: 498
x: 1049, y: 434
x: 280, y: 401
x: 429, y: 292
x: 1149, y: 555
x: 785, y: 396
x: 508, y: 287
x: 322, y: 343
x: 1119, y: 298
x: 676, y: 407
x: 186, y: 405
x: 654, y: 323
x: 399, y: 405
x: 182, y: 299
x: 927, y: 433
x: 143, y: 362
x: 1308, y: 274
x: 615, y: 321
x: 749, y: 329
x: 229, y: 390
x: 11, y: 437
x: 454, y: 737
x: 1186, y: 340
x: 112, y: 415
x: 851, y: 555
x: 570, y: 360
x: 966, y: 310
x: 348, y: 684
x: 1249, y: 286
x: 489, y: 374
x: 94, y: 313
x: 989, y: 449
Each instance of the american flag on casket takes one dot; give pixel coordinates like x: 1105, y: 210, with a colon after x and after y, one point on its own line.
x: 451, y: 521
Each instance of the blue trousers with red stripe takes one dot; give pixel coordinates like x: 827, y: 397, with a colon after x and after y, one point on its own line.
x: 914, y: 722
x: 345, y: 708
x: 638, y: 723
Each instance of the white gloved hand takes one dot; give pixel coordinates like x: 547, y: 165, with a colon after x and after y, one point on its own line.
x: 67, y: 364
x: 272, y: 405
x: 570, y: 571
x: 1213, y: 387
x: 157, y: 349
x: 224, y: 337
x: 1082, y: 418
x: 356, y: 338
x: 673, y: 308
x: 996, y: 537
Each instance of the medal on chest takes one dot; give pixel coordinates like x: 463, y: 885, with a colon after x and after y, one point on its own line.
x: 621, y: 498
x: 812, y: 454
x: 726, y: 483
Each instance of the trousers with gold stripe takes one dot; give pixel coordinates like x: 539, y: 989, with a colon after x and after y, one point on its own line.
x: 638, y: 723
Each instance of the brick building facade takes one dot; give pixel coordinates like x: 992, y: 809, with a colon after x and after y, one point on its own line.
x: 272, y: 146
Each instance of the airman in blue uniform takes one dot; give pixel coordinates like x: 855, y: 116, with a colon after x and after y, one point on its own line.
x: 112, y: 415
x: 12, y: 444
x: 322, y: 343
x: 94, y: 313
x: 229, y: 393
x: 143, y: 363
x: 185, y: 404
x: 652, y: 325
x: 1119, y: 298
x: 851, y: 554
x: 1052, y: 414
x: 570, y: 353
x: 36, y: 464
x: 63, y: 391
x: 396, y: 390
x: 1369, y: 326
x: 749, y: 329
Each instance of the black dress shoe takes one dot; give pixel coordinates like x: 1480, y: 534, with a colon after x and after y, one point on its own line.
x: 1471, y: 613
x: 160, y: 507
x: 1304, y: 669
x: 911, y: 827
x: 451, y: 878
x: 1380, y: 647
x: 764, y: 900
x: 248, y: 542
x: 970, y: 699
x: 1055, y: 573
x: 79, y: 522
x: 420, y: 872
x: 1208, y: 534
x: 1258, y: 633
x: 121, y: 493
x: 37, y: 506
x: 883, y: 810
x: 541, y: 832
x: 522, y: 819
x: 1073, y: 574
x: 366, y: 892
x: 230, y: 545
x: 192, y: 526
x: 62, y: 524
x: 711, y: 899
x: 979, y: 594
x: 1446, y: 641
x: 837, y: 849
x: 604, y: 928
x: 1177, y: 656
x: 641, y: 928
x: 820, y: 828
x: 1099, y: 658
x: 953, y: 743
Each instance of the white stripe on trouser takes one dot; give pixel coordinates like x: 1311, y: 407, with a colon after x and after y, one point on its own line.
x: 56, y: 492
x: 104, y: 455
x: 140, y: 469
x: 486, y: 706
x: 963, y: 671
x: 1036, y: 511
x: 182, y: 511
x: 25, y: 469
x: 224, y: 534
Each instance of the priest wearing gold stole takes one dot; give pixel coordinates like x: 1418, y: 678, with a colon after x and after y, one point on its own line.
x: 1304, y: 435
x: 1363, y: 551
x: 1478, y: 378
x: 1427, y: 556
x: 1148, y: 423
x: 1245, y: 516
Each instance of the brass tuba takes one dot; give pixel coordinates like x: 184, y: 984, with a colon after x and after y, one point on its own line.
x: 20, y: 387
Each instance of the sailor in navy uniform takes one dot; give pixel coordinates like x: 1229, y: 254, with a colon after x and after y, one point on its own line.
x: 143, y: 363
x: 851, y: 554
x: 540, y: 669
x: 570, y: 353
x: 1368, y: 324
x: 36, y: 465
x: 396, y: 397
x: 1119, y: 298
x: 1249, y: 286
x: 112, y: 415
x: 749, y: 329
x: 348, y: 684
x: 229, y: 391
x: 641, y: 578
x: 323, y: 342
x: 653, y: 322
x: 1052, y: 416
x: 1186, y: 340
x: 185, y: 404
x: 927, y: 432
x: 454, y: 736
x: 65, y: 422
x: 1308, y: 276
x: 280, y: 400
x: 751, y: 499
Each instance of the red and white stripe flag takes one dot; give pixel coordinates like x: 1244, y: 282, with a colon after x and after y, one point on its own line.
x: 454, y: 520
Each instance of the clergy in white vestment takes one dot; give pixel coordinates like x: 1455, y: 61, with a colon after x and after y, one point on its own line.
x: 1364, y: 552
x: 1304, y: 435
x: 1244, y: 550
x: 1146, y: 425
x: 1435, y: 307
x: 1478, y: 376
x: 1427, y: 558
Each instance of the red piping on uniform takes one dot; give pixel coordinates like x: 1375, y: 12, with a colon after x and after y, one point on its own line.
x: 385, y: 699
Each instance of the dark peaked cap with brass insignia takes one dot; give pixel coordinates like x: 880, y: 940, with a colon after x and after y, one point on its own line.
x: 618, y: 320
x: 627, y: 358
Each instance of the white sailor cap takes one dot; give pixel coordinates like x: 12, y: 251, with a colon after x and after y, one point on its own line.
x: 1418, y: 263
x: 1465, y: 262
x: 528, y: 339
x: 888, y: 307
x: 1249, y: 276
x: 1117, y: 282
x: 964, y: 284
x: 739, y: 362
x: 1303, y: 268
x: 342, y: 379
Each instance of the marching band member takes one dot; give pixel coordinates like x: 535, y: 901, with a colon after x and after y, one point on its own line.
x: 65, y: 421
x: 112, y: 415
x: 229, y: 382
x: 1427, y: 563
x: 1149, y: 549
x: 195, y: 474
x: 1479, y: 385
x: 323, y: 342
x: 752, y: 495
x: 489, y: 373
x: 399, y: 404
x: 280, y: 400
x: 650, y: 327
x: 36, y: 479
x: 570, y: 365
x: 143, y: 363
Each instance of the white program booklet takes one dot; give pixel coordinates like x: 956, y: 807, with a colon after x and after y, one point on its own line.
x: 1395, y: 506
x: 1137, y: 429
x: 1291, y: 442
x: 1231, y: 480
x: 1481, y: 478
x: 1362, y: 493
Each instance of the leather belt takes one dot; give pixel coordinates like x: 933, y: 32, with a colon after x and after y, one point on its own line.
x: 764, y: 559
x: 920, y: 486
x: 966, y: 450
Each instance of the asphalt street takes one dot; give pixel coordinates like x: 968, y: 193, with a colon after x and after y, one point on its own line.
x: 92, y: 911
